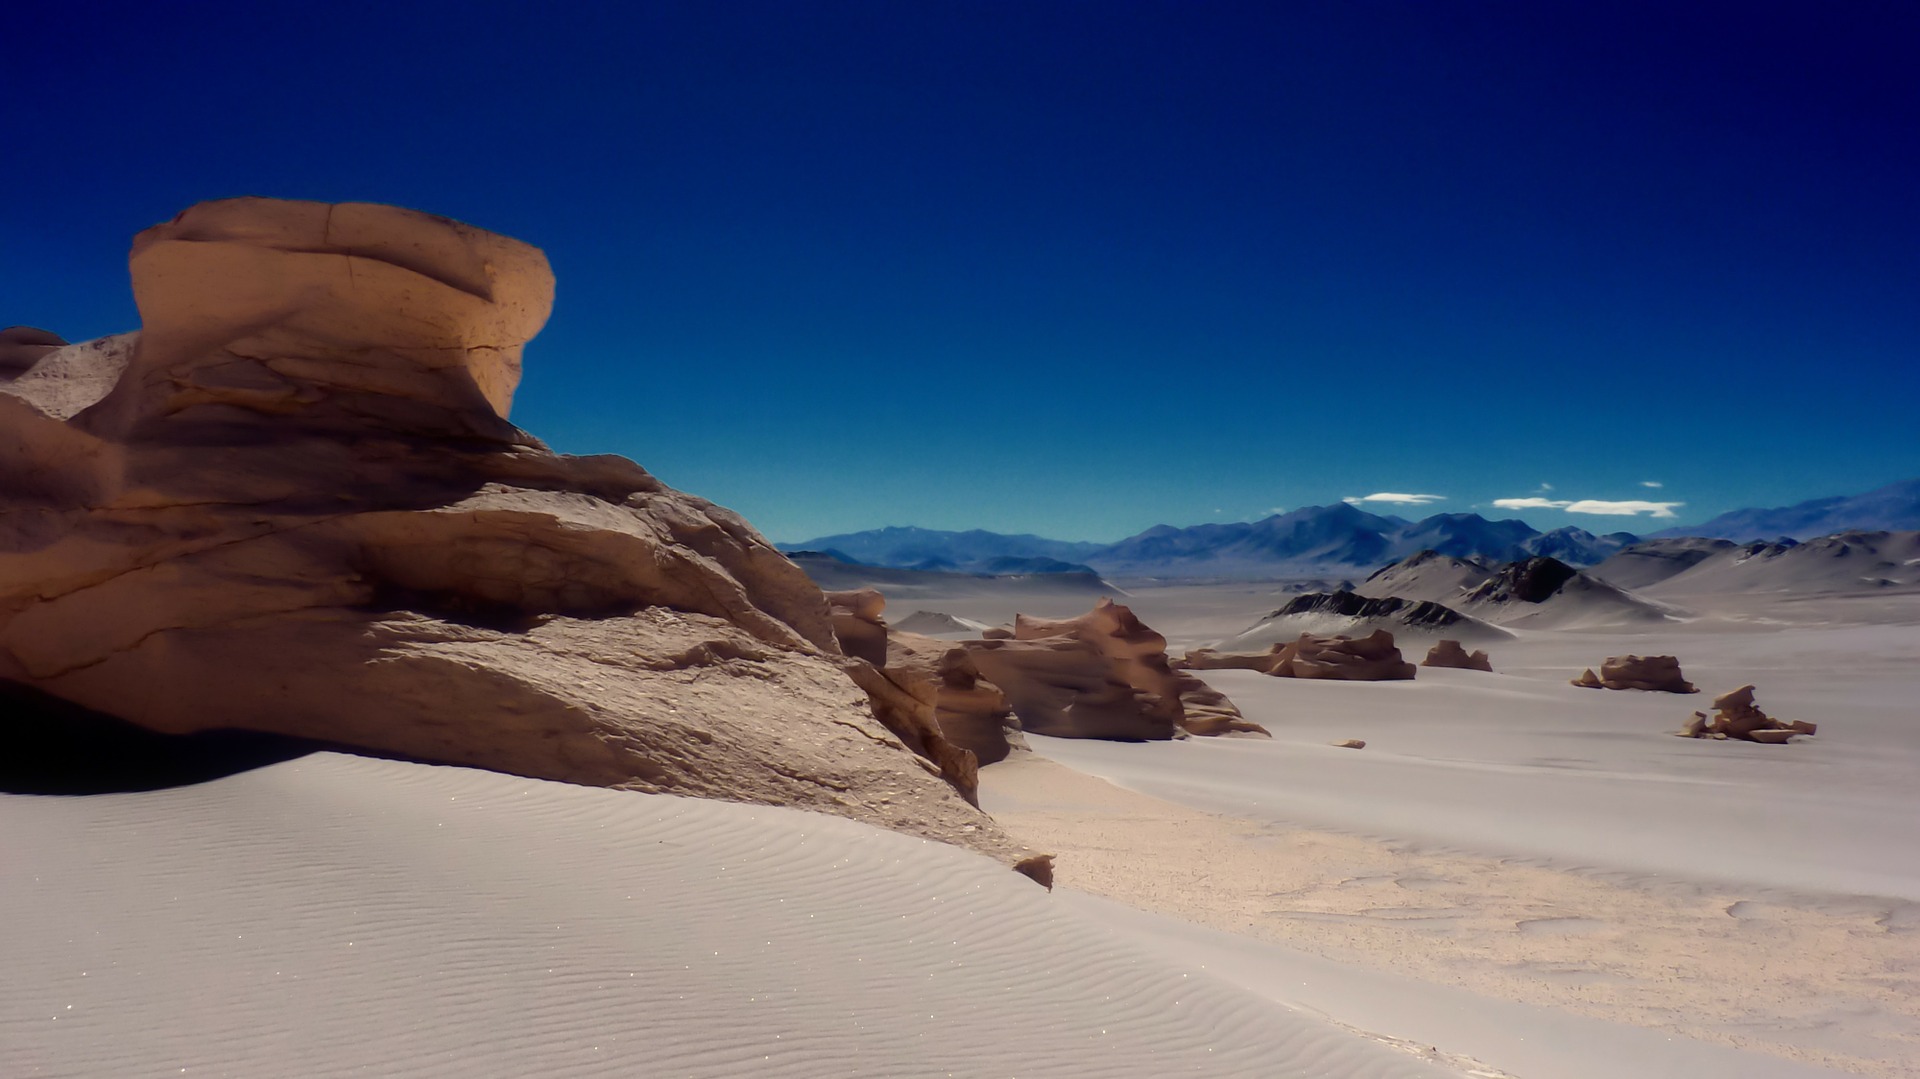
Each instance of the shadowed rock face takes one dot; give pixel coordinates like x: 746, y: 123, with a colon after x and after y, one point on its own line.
x: 293, y: 503
x: 1659, y: 674
x: 1424, y: 614
x: 1531, y: 581
x: 1453, y: 654
x: 971, y: 711
x: 23, y: 346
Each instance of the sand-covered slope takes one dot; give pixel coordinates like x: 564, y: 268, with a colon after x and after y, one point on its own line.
x: 1850, y: 562
x: 1651, y: 561
x: 337, y: 916
x: 1352, y: 615
x: 1427, y: 575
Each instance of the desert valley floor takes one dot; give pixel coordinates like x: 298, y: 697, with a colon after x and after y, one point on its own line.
x: 1516, y: 877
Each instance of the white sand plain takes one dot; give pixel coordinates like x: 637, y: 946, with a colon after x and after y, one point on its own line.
x: 1514, y: 837
x: 1515, y: 878
x: 336, y: 915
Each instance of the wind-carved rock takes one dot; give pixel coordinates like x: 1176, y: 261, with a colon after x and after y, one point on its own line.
x: 1450, y: 653
x: 1737, y: 716
x: 1656, y: 674
x: 1103, y: 674
x: 293, y: 502
x: 1373, y: 658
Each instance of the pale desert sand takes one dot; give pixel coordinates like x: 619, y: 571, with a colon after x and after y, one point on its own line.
x: 337, y: 915
x: 1512, y: 837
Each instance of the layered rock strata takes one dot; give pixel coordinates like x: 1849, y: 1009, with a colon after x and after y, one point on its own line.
x: 293, y: 502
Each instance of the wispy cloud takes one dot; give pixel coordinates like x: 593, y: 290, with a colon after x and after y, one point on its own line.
x: 1651, y: 483
x: 1627, y: 508
x: 1597, y: 506
x: 1394, y: 498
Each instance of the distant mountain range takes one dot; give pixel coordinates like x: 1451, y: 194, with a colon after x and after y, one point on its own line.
x: 1893, y: 508
x: 1316, y: 541
x: 1338, y: 540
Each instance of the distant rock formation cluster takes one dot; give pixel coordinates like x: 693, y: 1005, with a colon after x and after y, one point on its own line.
x: 293, y: 502
x: 1451, y: 653
x: 1373, y: 658
x: 1659, y: 674
x: 1737, y: 716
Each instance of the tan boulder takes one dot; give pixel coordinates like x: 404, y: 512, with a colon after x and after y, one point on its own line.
x: 1655, y: 674
x: 1450, y: 653
x: 293, y: 503
x: 1373, y: 658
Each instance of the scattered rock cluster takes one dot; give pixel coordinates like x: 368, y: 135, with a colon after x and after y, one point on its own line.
x: 1373, y: 658
x: 1737, y: 716
x: 1450, y: 653
x: 1659, y: 674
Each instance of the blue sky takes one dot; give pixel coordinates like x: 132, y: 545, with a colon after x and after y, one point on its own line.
x: 1078, y: 269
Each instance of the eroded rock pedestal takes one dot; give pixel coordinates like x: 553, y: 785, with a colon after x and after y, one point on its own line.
x: 1373, y: 658
x: 292, y: 502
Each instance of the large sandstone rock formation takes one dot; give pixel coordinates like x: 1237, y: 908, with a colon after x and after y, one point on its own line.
x: 1658, y: 674
x: 293, y: 502
x: 1451, y: 653
x: 972, y: 712
x: 1737, y: 716
x: 1136, y: 657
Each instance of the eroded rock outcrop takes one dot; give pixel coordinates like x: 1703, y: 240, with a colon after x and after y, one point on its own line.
x: 1373, y: 658
x: 1737, y: 716
x: 293, y: 502
x: 972, y: 712
x: 1450, y: 653
x: 1137, y: 657
x: 858, y: 623
x: 1657, y: 674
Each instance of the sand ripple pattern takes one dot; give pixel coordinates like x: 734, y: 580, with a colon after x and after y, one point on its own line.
x: 339, y: 916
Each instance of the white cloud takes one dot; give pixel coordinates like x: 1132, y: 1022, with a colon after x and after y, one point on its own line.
x: 1598, y: 507
x: 1628, y: 508
x: 1651, y: 483
x: 1546, y: 487
x: 1394, y: 498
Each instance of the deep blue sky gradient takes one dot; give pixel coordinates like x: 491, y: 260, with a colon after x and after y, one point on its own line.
x: 1079, y: 268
